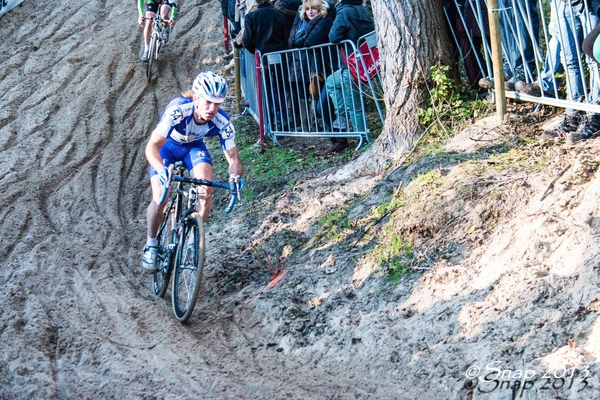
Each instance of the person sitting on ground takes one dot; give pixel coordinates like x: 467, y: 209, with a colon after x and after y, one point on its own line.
x: 179, y: 136
x: 151, y: 9
x: 351, y: 22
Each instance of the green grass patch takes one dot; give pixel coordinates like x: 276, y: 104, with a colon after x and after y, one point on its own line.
x: 331, y: 226
x: 448, y: 108
x: 395, y: 257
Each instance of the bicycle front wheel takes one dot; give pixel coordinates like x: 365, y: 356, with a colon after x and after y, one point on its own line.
x: 189, y: 265
x: 164, y: 257
x: 153, y: 56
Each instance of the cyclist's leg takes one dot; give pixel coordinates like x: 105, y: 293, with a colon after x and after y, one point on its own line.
x: 204, y: 171
x: 199, y: 163
x: 155, y: 210
x: 151, y: 8
x: 148, y: 28
x: 164, y: 11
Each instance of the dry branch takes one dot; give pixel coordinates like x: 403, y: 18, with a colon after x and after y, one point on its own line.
x: 551, y: 184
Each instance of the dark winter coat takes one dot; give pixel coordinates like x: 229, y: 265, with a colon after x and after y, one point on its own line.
x: 316, y: 32
x: 351, y: 22
x: 264, y: 30
x: 228, y: 9
x: 289, y: 9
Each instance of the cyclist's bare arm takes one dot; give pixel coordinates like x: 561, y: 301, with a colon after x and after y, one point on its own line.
x: 235, y: 165
x: 141, y: 12
x: 153, y: 151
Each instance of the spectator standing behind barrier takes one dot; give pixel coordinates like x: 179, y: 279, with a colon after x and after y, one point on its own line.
x: 311, y: 27
x: 552, y: 64
x: 465, y: 31
x: 264, y: 30
x: 229, y: 9
x: 289, y: 9
x: 576, y: 19
x: 351, y: 22
x: 519, y: 31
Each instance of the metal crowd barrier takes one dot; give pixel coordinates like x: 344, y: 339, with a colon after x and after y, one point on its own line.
x: 541, y: 40
x: 374, y: 82
x: 248, y: 82
x: 310, y: 92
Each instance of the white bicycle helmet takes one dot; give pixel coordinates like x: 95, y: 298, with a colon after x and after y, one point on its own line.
x: 210, y: 86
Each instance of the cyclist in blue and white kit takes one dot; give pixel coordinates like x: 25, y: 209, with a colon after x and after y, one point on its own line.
x: 179, y: 136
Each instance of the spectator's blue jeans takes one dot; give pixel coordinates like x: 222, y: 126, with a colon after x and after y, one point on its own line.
x: 324, y: 107
x: 574, y: 22
x: 519, y: 29
x: 552, y: 64
x: 344, y: 93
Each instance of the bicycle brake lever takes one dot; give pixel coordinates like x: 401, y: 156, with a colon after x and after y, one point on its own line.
x: 239, y: 188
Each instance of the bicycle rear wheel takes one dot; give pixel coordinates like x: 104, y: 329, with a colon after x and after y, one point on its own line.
x: 164, y: 257
x: 189, y: 266
x: 153, y: 56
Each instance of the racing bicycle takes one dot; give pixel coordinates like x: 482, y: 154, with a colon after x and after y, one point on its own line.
x: 160, y: 33
x: 181, y: 246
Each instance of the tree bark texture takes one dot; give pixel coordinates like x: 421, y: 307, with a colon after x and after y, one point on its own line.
x: 412, y: 37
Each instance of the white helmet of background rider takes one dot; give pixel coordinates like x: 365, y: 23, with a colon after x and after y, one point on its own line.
x: 210, y: 86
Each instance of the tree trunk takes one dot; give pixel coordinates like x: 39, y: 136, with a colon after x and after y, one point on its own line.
x: 412, y: 37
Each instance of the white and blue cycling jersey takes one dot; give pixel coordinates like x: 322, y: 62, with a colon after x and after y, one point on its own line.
x: 185, y: 138
x: 177, y: 123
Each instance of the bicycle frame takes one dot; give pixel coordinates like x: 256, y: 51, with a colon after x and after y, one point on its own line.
x: 176, y: 252
x: 158, y: 23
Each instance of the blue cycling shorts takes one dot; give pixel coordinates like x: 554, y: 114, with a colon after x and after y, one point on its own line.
x: 191, y: 154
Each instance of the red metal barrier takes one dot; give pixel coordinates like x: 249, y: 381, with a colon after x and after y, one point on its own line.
x: 226, y: 33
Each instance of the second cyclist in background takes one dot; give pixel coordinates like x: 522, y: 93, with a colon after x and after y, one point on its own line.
x: 169, y: 14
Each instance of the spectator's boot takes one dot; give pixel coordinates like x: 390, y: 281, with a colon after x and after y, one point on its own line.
x: 587, y: 129
x: 488, y: 83
x: 570, y: 123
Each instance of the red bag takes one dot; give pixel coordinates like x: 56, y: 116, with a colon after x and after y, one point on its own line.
x: 371, y: 62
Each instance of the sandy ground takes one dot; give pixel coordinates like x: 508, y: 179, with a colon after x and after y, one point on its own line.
x: 514, y: 302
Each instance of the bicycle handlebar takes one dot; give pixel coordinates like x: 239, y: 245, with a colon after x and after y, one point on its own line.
x: 157, y: 18
x: 233, y: 190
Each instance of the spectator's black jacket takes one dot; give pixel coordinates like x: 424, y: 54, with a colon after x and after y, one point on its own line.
x: 264, y: 30
x: 316, y: 32
x: 289, y: 8
x: 351, y: 22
